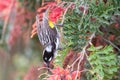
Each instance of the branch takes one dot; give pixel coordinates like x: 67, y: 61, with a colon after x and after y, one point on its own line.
x: 84, y: 49
x: 63, y: 18
x: 83, y: 15
x: 112, y: 44
x: 46, y: 73
x: 43, y: 2
x: 43, y: 68
x: 82, y: 54
x: 62, y: 22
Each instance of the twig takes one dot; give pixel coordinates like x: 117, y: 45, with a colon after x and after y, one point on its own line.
x: 75, y: 61
x: 84, y: 49
x: 46, y: 73
x: 62, y: 22
x: 58, y: 1
x: 43, y: 68
x: 90, y: 42
x: 112, y: 44
x: 82, y: 57
x: 81, y: 20
x: 83, y: 53
x: 6, y: 21
x: 84, y: 70
x: 43, y: 2
x: 63, y: 18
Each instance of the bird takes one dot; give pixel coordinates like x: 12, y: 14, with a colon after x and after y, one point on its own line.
x: 48, y: 36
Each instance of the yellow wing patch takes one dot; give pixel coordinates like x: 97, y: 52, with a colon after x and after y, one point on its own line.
x: 51, y: 24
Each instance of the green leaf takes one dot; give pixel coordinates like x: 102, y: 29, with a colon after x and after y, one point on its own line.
x: 103, y: 61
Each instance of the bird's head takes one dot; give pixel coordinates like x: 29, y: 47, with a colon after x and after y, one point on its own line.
x: 48, y: 54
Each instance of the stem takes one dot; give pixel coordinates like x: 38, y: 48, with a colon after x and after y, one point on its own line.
x: 82, y: 54
x: 63, y: 18
x: 81, y: 20
x: 43, y: 68
x: 112, y: 44
x: 43, y: 2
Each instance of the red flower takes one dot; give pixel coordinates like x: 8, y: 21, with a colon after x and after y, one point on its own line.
x: 4, y: 4
x: 55, y: 13
x: 54, y: 77
x: 74, y: 74
x: 42, y: 9
x: 5, y: 7
x: 58, y: 71
x: 63, y: 74
x: 68, y: 77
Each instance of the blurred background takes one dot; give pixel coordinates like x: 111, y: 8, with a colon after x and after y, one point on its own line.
x: 21, y: 55
x: 18, y: 51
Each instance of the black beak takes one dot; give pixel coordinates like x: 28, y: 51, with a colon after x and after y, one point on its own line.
x: 48, y: 64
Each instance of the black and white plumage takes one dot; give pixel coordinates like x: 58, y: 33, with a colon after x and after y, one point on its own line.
x: 49, y: 38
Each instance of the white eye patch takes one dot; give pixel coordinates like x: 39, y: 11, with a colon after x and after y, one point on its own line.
x: 50, y: 59
x: 48, y: 48
x: 45, y: 58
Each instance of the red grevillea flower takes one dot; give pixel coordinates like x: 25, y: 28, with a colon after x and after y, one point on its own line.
x: 60, y: 71
x: 63, y: 74
x: 74, y: 74
x: 55, y: 13
x: 54, y: 77
x: 45, y: 6
x: 68, y: 77
x: 42, y: 9
x: 4, y: 4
